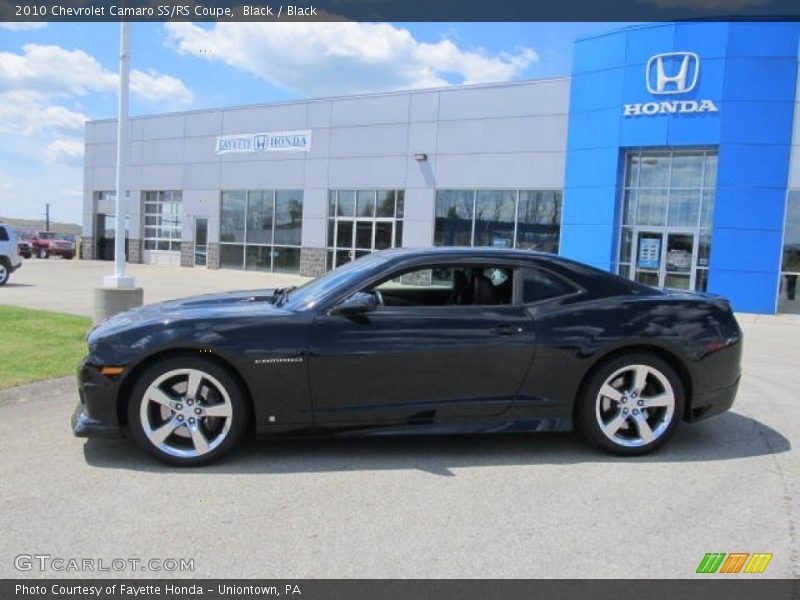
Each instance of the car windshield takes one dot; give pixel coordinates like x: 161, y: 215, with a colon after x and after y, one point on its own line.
x: 309, y: 294
x: 47, y: 235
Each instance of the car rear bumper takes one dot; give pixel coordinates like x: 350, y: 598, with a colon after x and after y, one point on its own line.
x: 96, y: 413
x: 713, y: 403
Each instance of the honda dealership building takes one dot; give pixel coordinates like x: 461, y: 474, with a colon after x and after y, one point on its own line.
x: 670, y: 155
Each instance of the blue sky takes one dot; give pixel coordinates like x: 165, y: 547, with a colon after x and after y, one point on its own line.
x: 54, y: 77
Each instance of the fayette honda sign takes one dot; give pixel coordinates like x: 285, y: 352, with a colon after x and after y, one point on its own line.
x: 668, y: 74
x: 275, y: 141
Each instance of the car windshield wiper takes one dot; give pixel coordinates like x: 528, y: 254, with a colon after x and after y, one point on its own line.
x: 280, y: 295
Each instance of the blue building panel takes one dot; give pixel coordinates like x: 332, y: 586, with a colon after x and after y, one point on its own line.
x: 760, y: 79
x: 590, y: 244
x: 724, y: 86
x: 756, y: 208
x: 746, y: 290
x: 753, y: 165
x: 770, y: 122
x: 594, y: 129
x: 708, y: 40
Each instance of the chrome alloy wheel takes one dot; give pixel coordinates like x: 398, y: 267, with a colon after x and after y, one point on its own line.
x: 186, y: 413
x: 3, y: 273
x: 635, y: 405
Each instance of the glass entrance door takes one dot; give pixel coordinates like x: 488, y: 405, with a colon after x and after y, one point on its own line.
x: 200, y: 241
x: 666, y: 258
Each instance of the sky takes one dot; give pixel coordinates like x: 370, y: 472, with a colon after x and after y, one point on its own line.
x: 56, y: 76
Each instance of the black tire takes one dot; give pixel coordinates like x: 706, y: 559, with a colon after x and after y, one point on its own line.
x: 591, y: 407
x: 42, y: 253
x: 68, y: 256
x: 5, y: 271
x: 239, y: 417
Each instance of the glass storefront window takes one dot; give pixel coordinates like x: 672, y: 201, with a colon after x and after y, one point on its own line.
x: 362, y: 221
x: 453, y: 225
x: 539, y: 220
x: 500, y: 218
x: 257, y: 227
x: 231, y: 223
x: 666, y: 216
x: 288, y: 217
x: 789, y: 299
x: 494, y: 218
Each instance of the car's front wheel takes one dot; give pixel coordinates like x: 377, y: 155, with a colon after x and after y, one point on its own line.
x: 5, y: 271
x: 42, y: 253
x: 187, y: 411
x: 631, y: 404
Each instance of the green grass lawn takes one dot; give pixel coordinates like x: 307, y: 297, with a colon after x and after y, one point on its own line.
x: 38, y: 344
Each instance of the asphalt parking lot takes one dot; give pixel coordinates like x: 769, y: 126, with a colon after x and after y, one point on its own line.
x: 66, y: 286
x: 491, y: 506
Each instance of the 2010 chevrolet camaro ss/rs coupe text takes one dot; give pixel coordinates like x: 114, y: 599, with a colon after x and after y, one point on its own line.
x: 421, y: 341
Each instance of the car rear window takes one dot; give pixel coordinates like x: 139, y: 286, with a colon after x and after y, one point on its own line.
x: 3, y: 234
x: 539, y: 285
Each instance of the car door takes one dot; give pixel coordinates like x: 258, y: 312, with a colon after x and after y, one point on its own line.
x: 419, y: 364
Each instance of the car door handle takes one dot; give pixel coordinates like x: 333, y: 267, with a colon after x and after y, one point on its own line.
x: 507, y: 330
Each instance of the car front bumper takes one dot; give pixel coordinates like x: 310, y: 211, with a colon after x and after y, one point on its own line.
x: 96, y: 412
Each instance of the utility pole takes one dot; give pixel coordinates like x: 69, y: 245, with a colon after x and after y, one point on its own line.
x: 119, y: 292
x: 47, y: 216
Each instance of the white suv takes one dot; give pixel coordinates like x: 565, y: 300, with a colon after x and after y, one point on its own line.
x: 9, y: 253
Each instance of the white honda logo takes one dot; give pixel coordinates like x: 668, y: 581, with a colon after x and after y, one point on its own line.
x: 672, y: 72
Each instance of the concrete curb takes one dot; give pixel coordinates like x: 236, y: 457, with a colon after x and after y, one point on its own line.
x: 38, y: 389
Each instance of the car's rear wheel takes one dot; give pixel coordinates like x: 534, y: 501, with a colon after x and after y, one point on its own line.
x: 186, y: 411
x: 631, y: 404
x: 42, y: 253
x: 68, y: 256
x: 4, y: 272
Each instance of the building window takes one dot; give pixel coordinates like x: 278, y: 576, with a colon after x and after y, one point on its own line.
x: 789, y: 300
x: 162, y: 220
x: 667, y: 213
x: 362, y: 221
x: 501, y: 218
x: 261, y: 230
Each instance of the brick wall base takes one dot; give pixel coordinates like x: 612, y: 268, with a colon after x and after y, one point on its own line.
x: 212, y: 261
x: 87, y: 248
x: 312, y: 261
x: 187, y: 254
x: 135, y: 251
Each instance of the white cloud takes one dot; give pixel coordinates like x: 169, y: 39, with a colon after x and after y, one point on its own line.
x: 21, y: 26
x: 69, y: 152
x: 59, y: 72
x: 154, y: 87
x: 28, y: 113
x: 339, y: 58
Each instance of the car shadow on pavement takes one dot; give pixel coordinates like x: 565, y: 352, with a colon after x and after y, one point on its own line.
x: 729, y: 436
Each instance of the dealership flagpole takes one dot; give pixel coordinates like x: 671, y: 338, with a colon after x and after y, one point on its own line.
x: 119, y: 280
x: 119, y: 292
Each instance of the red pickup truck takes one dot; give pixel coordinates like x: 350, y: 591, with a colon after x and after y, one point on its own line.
x: 48, y: 243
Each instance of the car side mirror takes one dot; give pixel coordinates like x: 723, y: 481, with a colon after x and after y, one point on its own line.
x: 357, y: 304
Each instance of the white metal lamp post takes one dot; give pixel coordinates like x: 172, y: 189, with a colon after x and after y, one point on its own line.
x: 119, y: 292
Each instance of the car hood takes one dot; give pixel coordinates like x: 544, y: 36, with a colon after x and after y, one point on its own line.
x: 210, y: 306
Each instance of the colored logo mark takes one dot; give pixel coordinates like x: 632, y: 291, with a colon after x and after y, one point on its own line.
x: 735, y: 562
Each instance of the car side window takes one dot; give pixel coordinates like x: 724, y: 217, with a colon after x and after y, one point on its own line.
x: 3, y: 234
x: 539, y: 285
x: 459, y: 285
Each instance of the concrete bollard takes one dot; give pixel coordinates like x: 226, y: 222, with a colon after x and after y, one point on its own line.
x: 110, y: 301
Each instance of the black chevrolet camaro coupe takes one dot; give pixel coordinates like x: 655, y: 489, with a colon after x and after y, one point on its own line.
x: 444, y: 340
